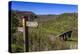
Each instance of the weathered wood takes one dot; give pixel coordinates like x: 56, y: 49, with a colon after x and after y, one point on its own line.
x: 25, y: 34
x: 32, y: 24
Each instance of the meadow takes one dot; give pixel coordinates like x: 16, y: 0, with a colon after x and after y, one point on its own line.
x: 45, y: 36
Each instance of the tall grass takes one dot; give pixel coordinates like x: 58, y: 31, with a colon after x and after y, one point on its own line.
x: 44, y: 37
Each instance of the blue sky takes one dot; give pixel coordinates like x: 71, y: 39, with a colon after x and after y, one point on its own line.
x: 43, y: 8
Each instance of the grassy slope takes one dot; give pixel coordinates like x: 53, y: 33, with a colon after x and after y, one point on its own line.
x: 50, y: 26
x: 55, y: 27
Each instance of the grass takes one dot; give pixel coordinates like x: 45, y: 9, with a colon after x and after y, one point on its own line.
x: 55, y: 27
x: 40, y: 37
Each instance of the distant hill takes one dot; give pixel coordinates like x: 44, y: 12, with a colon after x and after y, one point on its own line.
x: 58, y: 24
x: 43, y: 18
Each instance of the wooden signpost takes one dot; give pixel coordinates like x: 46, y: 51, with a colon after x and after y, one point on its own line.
x: 25, y: 34
x: 24, y: 29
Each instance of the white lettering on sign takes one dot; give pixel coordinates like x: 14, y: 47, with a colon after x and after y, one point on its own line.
x: 31, y: 24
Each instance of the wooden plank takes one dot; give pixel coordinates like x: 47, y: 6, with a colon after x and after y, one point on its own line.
x: 31, y: 24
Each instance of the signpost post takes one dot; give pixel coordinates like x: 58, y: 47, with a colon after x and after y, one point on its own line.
x: 25, y: 34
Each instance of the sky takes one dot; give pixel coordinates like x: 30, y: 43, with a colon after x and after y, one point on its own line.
x: 43, y: 8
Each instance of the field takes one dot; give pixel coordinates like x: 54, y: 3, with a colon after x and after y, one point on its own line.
x: 45, y: 36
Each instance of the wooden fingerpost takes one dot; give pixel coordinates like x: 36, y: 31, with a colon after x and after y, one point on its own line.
x: 25, y: 34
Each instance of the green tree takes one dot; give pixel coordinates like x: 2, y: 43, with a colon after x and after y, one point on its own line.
x: 14, y: 22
